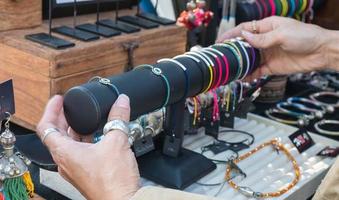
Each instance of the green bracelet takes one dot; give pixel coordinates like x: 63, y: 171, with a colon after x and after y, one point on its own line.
x: 158, y: 72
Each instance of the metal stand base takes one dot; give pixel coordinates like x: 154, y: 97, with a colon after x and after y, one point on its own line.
x: 179, y: 172
x: 157, y: 19
x: 119, y: 26
x: 75, y: 33
x: 99, y: 30
x: 138, y: 21
x: 50, y: 41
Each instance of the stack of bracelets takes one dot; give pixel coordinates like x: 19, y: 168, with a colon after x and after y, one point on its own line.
x: 299, y: 111
x: 258, y: 9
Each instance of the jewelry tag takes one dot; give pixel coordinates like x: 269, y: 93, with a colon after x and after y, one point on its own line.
x: 227, y: 119
x: 143, y: 145
x: 329, y: 152
x: 212, y: 128
x: 243, y: 108
x: 189, y: 127
x: 172, y: 146
x: 301, y: 140
x: 239, y: 147
x: 6, y: 99
x: 218, y: 147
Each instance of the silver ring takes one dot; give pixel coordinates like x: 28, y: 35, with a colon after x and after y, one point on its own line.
x: 47, y: 132
x: 116, y: 124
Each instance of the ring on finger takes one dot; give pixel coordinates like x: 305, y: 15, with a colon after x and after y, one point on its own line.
x: 254, y: 26
x: 116, y: 124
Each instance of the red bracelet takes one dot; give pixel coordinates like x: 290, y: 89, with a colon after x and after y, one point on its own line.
x: 265, y: 8
x: 272, y: 7
x: 217, y: 83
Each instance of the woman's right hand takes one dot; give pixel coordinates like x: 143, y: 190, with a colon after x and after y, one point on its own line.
x: 288, y: 46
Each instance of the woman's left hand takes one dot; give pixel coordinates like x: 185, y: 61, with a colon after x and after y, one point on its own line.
x: 105, y: 170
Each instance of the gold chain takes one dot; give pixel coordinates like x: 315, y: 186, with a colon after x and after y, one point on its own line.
x: 248, y: 191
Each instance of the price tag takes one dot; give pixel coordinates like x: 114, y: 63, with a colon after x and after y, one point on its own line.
x: 243, y: 108
x: 212, y: 128
x: 302, y: 140
x: 143, y: 145
x: 6, y: 99
x: 329, y: 152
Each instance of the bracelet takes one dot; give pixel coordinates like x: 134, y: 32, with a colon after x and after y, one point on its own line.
x: 240, y: 142
x: 308, y: 103
x: 282, y: 106
x: 183, y: 69
x: 238, y: 52
x: 217, y: 83
x: 105, y: 81
x: 319, y: 94
x: 225, y: 61
x: 211, y: 67
x: 292, y: 8
x: 248, y: 192
x: 297, y: 121
x: 198, y: 62
x: 241, y: 44
x: 284, y: 8
x: 158, y: 72
x: 327, y: 132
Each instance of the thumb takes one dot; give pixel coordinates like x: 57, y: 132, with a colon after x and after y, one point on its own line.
x: 261, y: 40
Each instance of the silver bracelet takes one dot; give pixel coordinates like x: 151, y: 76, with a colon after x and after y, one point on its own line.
x: 282, y: 106
x: 319, y: 94
x: 47, y: 132
x: 327, y: 132
x: 298, y: 120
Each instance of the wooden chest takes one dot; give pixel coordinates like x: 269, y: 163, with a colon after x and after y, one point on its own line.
x: 19, y: 14
x: 39, y: 72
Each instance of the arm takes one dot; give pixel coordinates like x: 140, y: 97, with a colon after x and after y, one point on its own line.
x: 289, y: 46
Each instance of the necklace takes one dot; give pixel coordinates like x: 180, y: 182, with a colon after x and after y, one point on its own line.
x: 248, y: 192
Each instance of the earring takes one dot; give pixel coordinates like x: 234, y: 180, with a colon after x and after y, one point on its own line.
x: 14, y: 175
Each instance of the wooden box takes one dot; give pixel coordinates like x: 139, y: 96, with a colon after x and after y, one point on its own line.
x: 40, y: 72
x: 19, y: 14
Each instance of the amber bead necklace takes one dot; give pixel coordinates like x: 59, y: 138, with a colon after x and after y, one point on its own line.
x: 248, y: 192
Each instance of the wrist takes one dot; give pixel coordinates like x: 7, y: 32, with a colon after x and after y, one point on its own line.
x: 330, y: 49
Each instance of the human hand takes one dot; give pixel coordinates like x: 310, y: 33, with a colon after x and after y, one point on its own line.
x: 105, y: 170
x: 287, y: 46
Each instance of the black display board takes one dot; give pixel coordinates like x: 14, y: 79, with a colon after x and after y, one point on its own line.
x: 85, y: 7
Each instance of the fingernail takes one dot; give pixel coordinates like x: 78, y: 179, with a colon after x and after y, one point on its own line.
x: 247, y: 34
x: 122, y: 101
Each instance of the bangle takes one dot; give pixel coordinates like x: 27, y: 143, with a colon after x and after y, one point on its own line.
x: 327, y: 122
x: 283, y: 107
x: 105, y: 81
x: 250, y: 142
x: 236, y: 55
x: 272, y: 114
x: 248, y: 192
x: 284, y: 8
x: 292, y: 8
x: 183, y: 69
x: 272, y: 4
x: 241, y: 44
x: 211, y: 66
x: 207, y: 63
x: 237, y: 52
x: 198, y: 62
x: 310, y: 105
x: 158, y: 72
x: 217, y: 83
x: 319, y: 94
x: 278, y: 7
x: 225, y: 62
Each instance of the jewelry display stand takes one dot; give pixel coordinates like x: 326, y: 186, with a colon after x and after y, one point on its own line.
x: 265, y: 165
x: 47, y: 39
x: 138, y: 21
x: 97, y: 28
x: 73, y: 32
x: 155, y: 18
x: 123, y: 27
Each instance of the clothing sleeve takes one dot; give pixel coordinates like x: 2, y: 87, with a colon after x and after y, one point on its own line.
x: 329, y: 187
x: 157, y: 193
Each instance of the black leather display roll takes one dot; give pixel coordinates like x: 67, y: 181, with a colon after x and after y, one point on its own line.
x: 87, y: 106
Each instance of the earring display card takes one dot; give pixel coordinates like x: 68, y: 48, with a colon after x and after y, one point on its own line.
x: 76, y: 33
x: 120, y: 26
x: 99, y: 30
x: 50, y: 41
x: 157, y: 19
x: 6, y: 99
x: 138, y: 21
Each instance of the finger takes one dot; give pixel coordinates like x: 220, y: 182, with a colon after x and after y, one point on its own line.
x: 261, y: 26
x: 120, y: 109
x: 262, y: 40
x: 80, y: 138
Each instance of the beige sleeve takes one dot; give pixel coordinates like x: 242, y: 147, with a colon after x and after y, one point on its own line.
x: 329, y: 187
x: 157, y: 193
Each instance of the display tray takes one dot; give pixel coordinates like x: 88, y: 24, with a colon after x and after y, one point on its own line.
x: 266, y: 170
